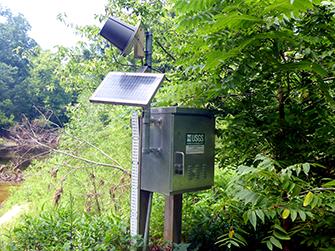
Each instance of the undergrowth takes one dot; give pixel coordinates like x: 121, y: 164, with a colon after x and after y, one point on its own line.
x: 66, y: 229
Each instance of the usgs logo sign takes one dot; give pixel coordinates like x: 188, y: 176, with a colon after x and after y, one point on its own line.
x: 195, y: 139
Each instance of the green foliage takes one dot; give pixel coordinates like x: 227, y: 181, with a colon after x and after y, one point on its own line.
x: 63, y: 229
x: 15, y: 46
x: 44, y: 87
x: 267, y: 66
x: 261, y: 206
x: 286, y: 198
x: 203, y: 221
x: 28, y: 82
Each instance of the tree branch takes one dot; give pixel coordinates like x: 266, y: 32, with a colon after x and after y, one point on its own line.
x: 320, y: 189
x: 83, y: 159
x: 81, y: 140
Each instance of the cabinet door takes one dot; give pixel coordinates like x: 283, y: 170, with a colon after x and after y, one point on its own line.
x: 193, y: 162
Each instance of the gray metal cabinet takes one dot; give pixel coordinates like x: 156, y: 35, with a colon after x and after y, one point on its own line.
x: 181, y: 156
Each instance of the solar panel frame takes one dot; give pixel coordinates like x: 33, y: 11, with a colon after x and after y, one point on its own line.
x: 109, y: 92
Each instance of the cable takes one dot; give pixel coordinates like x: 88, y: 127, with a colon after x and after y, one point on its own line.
x: 156, y: 70
x: 160, y: 45
x: 167, y: 53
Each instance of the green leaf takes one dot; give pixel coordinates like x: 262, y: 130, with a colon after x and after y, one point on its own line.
x: 329, y: 184
x: 282, y: 6
x: 269, y: 245
x: 260, y: 215
x: 275, y: 242
x: 298, y: 170
x: 314, y: 202
x: 253, y: 219
x: 234, y: 243
x: 296, y: 191
x: 308, y: 199
x: 291, y: 188
x: 240, y: 239
x: 234, y: 20
x: 278, y: 227
x: 306, y: 167
x: 303, y: 66
x: 245, y: 217
x: 302, y: 215
x: 285, y: 214
x: 293, y: 215
x: 247, y: 196
x: 245, y: 169
x: 281, y: 236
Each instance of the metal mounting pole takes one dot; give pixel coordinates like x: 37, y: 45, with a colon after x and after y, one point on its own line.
x: 148, y: 50
x: 145, y: 199
x: 146, y: 117
x: 146, y: 130
x: 147, y: 223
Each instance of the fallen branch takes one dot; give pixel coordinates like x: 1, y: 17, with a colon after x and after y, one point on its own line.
x: 79, y: 139
x: 37, y: 138
x: 85, y: 160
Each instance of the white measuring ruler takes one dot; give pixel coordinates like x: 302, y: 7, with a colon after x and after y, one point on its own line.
x: 135, y: 175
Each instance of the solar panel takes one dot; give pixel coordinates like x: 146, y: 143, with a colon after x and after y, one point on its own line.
x: 127, y: 88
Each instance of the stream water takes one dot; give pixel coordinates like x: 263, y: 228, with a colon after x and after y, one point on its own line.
x: 5, y: 156
x: 4, y: 191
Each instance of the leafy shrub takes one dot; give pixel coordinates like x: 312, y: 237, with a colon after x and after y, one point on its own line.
x: 64, y: 229
x: 262, y: 206
x: 203, y: 221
